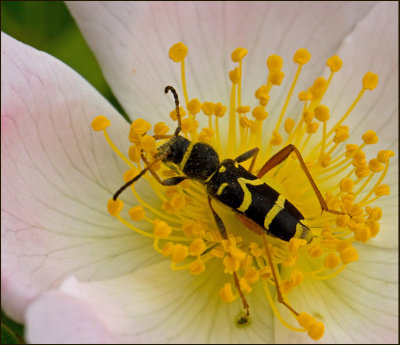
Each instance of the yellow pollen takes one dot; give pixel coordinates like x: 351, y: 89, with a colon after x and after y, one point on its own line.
x: 137, y: 212
x: 161, y: 229
x: 370, y: 81
x: 139, y: 126
x: 321, y: 113
x: 197, y: 247
x: 251, y: 275
x: 148, y: 144
x: 134, y: 153
x: 349, y: 254
x: 276, y: 77
x: 114, y: 207
x: 331, y: 260
x: 174, y: 116
x: 197, y: 267
x: 243, y: 109
x: 220, y: 109
x: 227, y: 294
x: 370, y: 137
x: 238, y: 54
x: 100, y: 122
x: 259, y: 113
x: 178, y: 52
x: 167, y: 249
x: 334, y: 63
x: 194, y: 106
x: 235, y: 75
x: 274, y: 62
x: 302, y: 56
x: 160, y: 128
x: 179, y: 253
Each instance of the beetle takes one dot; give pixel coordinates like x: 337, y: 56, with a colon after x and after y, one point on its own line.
x: 257, y: 205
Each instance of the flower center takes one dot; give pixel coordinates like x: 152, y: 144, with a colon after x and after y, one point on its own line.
x: 189, y: 227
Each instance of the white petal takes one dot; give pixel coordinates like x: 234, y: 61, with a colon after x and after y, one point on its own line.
x: 157, y: 304
x: 59, y: 318
x: 57, y: 176
x: 131, y: 41
x: 358, y: 306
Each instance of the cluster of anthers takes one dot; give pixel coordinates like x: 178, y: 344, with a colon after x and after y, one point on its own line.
x: 181, y: 226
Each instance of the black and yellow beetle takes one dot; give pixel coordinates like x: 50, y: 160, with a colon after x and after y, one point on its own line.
x: 258, y: 206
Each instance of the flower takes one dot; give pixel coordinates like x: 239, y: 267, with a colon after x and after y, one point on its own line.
x: 67, y: 263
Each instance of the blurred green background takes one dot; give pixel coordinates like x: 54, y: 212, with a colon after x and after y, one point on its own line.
x: 48, y: 26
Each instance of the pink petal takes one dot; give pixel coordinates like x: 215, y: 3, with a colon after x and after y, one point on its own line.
x: 59, y: 318
x: 57, y: 176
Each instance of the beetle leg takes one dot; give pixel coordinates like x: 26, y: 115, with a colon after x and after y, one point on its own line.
x: 222, y: 230
x: 279, y: 157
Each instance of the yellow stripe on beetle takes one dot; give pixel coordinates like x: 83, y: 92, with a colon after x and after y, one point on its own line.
x: 272, y: 213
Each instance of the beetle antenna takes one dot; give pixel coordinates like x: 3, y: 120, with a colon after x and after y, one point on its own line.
x: 137, y: 177
x: 170, y: 88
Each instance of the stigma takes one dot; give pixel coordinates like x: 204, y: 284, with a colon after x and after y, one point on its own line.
x: 182, y: 228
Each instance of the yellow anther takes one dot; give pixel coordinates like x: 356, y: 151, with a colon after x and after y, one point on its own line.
x: 331, y: 261
x: 370, y: 137
x: 302, y: 56
x: 315, y: 250
x: 276, y: 77
x: 351, y: 149
x: 161, y: 229
x: 178, y: 52
x: 197, y: 267
x: 342, y: 245
x: 312, y: 127
x: 274, y: 62
x: 316, y: 330
x: 100, y: 122
x: 149, y: 144
x: 231, y: 264
x: 259, y: 113
x: 220, y: 109
x: 194, y: 106
x: 173, y: 115
x: 226, y: 293
x: 289, y: 125
x: 218, y: 253
x: 255, y: 250
x: 276, y: 138
x: 243, y: 109
x: 359, y: 156
x: 374, y: 228
x: 303, y: 96
x: 348, y: 255
x: 325, y: 160
x: 238, y: 54
x: 167, y: 249
x: 342, y: 220
x: 137, y: 212
x: 265, y: 272
x: 244, y: 285
x: 234, y: 75
x: 134, y: 153
x: 197, y: 247
x: 384, y: 155
x: 237, y: 253
x: 296, y: 278
x: 341, y: 134
x: 383, y: 189
x: 319, y: 87
x: 114, y: 207
x: 362, y: 233
x: 370, y: 81
x: 308, y: 116
x: 206, y: 135
x: 321, y: 113
x: 208, y: 108
x: 139, y: 126
x: 305, y: 320
x: 187, y: 125
x: 295, y: 244
x: 179, y: 253
x: 375, y: 166
x: 251, y: 274
x: 375, y: 213
x: 177, y: 201
x: 346, y: 185
x: 362, y: 171
x: 262, y: 95
x: 334, y: 63
x: 160, y: 128
x: 245, y: 122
